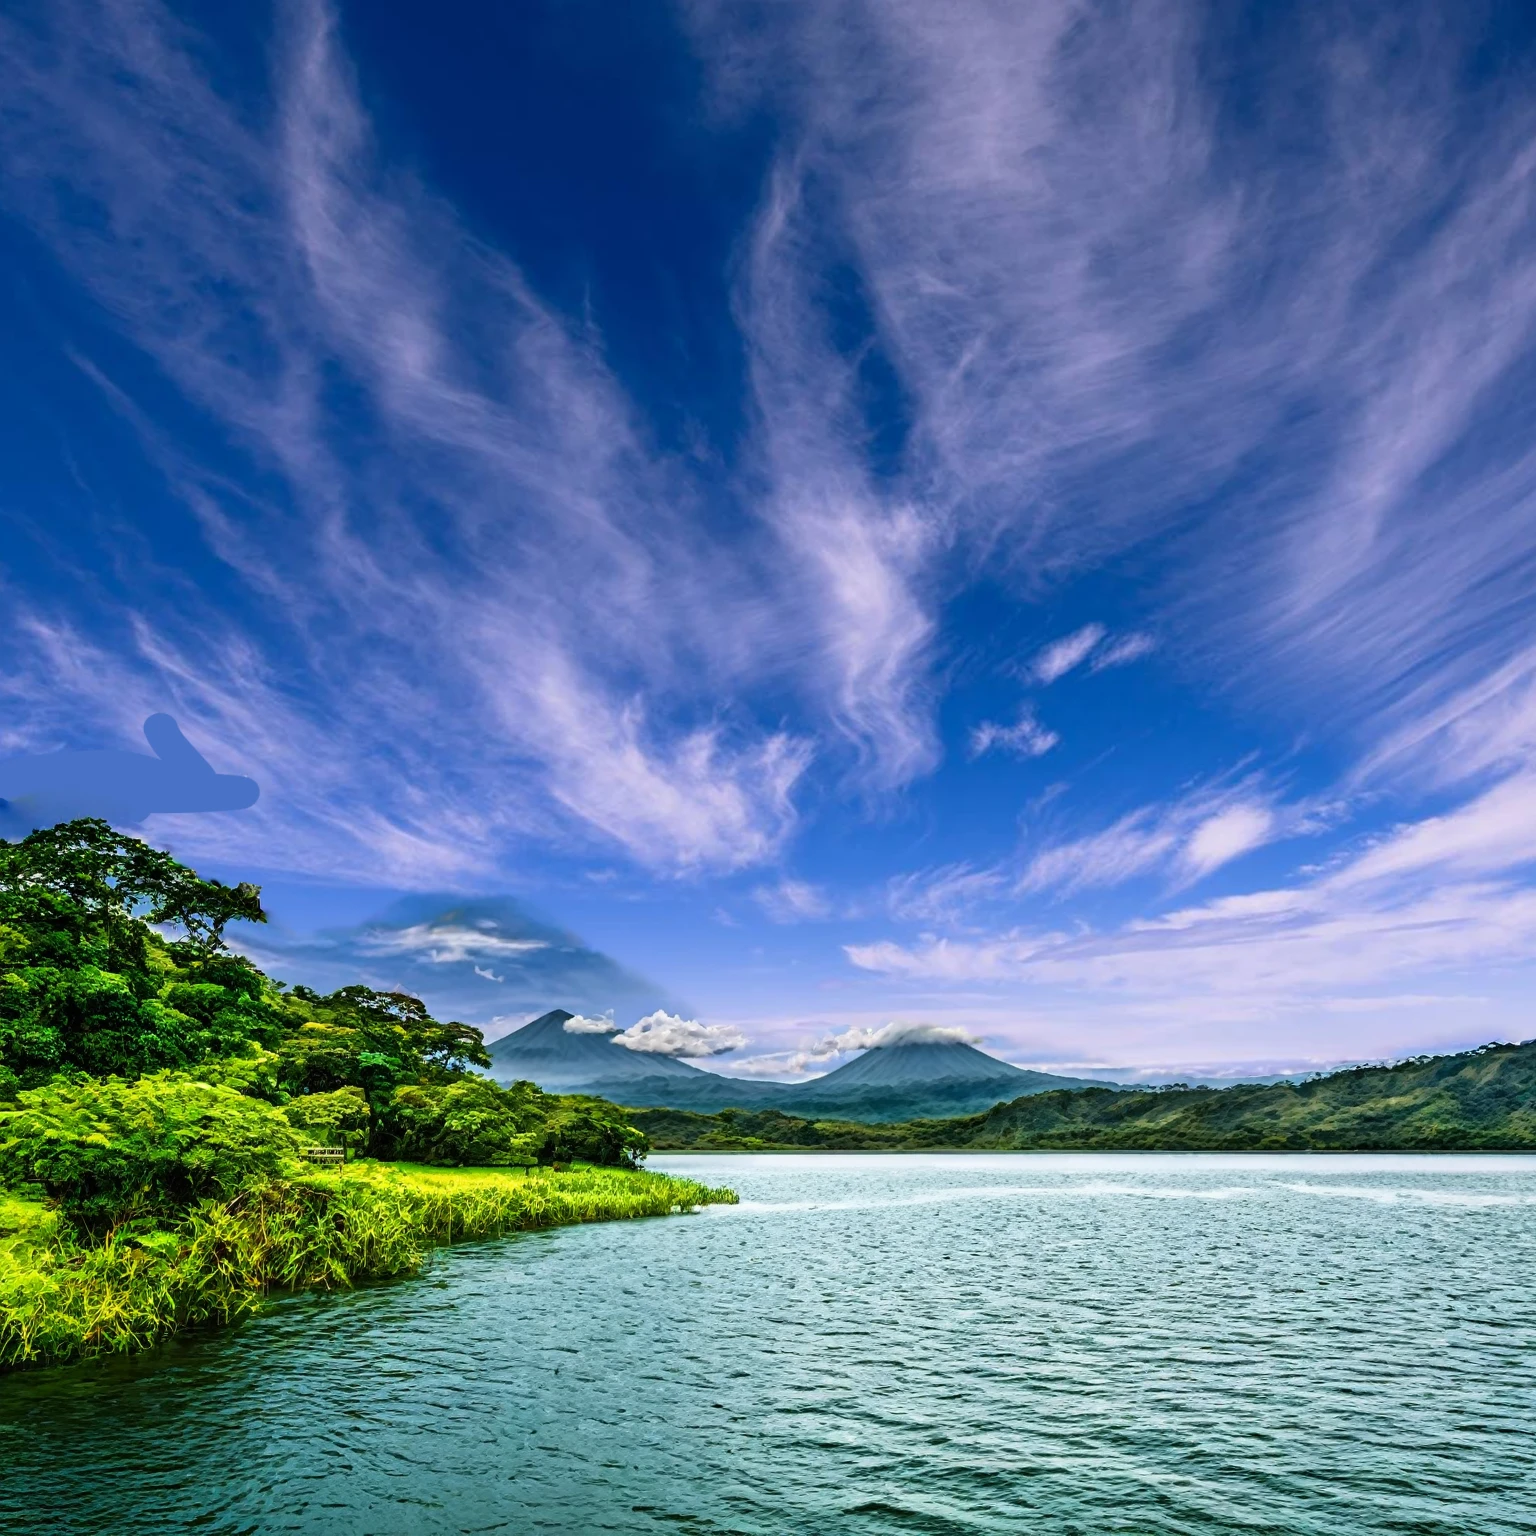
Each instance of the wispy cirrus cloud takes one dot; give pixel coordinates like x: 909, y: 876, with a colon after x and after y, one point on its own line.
x: 412, y: 543
x: 1187, y: 839
x: 1442, y: 895
x: 1107, y: 296
x: 793, y: 901
x: 943, y: 895
x: 1026, y: 737
x: 1178, y: 843
x: 1121, y: 652
x: 1065, y: 655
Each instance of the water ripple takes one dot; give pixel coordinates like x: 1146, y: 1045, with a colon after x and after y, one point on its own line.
x: 1068, y: 1345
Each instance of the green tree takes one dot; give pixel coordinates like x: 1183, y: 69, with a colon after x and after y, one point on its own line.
x: 114, y: 1151
x: 373, y: 1041
x: 105, y: 883
x: 471, y: 1121
x: 592, y: 1131
x: 338, y: 1119
x: 87, y: 982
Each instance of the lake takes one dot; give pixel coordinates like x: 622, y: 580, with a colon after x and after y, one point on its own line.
x: 1042, y: 1343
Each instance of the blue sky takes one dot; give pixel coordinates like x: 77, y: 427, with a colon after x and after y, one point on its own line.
x: 1021, y: 518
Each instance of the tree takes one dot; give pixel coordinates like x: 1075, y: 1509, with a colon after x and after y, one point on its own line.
x: 104, y: 881
x: 339, y: 1119
x: 114, y: 1151
x: 592, y: 1131
x: 87, y: 982
x: 471, y: 1121
x: 374, y: 1041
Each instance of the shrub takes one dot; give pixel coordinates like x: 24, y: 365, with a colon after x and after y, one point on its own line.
x: 467, y: 1122
x: 338, y: 1119
x: 112, y: 1151
x: 592, y: 1131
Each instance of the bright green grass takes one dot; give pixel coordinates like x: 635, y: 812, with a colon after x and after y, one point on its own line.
x: 61, y: 1299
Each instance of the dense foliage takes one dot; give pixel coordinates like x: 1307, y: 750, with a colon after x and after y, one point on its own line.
x: 1476, y: 1100
x: 157, y: 1093
x: 114, y: 1151
x: 145, y: 1066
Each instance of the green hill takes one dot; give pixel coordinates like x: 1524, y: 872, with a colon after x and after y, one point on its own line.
x: 1482, y: 1100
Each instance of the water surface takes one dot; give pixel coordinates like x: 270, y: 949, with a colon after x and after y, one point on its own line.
x: 1105, y: 1345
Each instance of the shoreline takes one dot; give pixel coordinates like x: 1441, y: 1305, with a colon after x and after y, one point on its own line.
x: 63, y: 1300
x: 1425, y: 1152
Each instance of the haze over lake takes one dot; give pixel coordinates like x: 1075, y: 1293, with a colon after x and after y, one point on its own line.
x: 1052, y: 1343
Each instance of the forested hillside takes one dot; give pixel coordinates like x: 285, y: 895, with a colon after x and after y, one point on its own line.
x: 119, y: 998
x: 163, y: 1104
x: 1482, y: 1099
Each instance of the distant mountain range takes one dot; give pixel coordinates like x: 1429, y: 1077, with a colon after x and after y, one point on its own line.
x: 1483, y: 1099
x: 903, y: 1081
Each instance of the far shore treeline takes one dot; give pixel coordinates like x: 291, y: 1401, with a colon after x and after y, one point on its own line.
x: 161, y: 1100
x: 1482, y: 1100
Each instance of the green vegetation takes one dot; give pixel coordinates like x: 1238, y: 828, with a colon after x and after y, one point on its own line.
x: 1482, y: 1100
x: 62, y: 1297
x: 158, y: 1094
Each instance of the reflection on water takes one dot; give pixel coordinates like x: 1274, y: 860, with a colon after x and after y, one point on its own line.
x: 1020, y: 1343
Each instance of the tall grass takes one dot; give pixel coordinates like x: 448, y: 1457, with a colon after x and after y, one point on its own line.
x: 61, y: 1299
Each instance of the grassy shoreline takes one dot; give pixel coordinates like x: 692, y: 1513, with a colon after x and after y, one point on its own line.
x: 61, y: 1299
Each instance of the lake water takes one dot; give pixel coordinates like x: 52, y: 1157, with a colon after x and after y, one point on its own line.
x: 928, y: 1344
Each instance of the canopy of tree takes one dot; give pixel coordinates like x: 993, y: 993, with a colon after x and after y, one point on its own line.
x: 1477, y: 1100
x: 145, y: 1065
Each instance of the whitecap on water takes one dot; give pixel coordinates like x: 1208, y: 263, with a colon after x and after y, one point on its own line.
x: 1455, y: 1197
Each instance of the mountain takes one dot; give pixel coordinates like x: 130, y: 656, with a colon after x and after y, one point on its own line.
x: 912, y: 1078
x: 546, y: 1053
x: 1473, y: 1100
x: 903, y: 1080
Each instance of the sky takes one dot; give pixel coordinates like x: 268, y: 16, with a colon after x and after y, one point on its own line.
x: 804, y: 515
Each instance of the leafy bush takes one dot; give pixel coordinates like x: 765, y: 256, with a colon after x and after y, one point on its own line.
x: 467, y: 1122
x: 357, y: 1037
x: 339, y: 1119
x: 592, y: 1131
x: 112, y: 1151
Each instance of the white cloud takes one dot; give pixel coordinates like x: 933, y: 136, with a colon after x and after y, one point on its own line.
x: 666, y: 1034
x: 1492, y: 834
x: 897, y: 1032
x: 579, y: 1024
x: 446, y: 944
x: 1222, y: 837
x: 1139, y: 842
x: 1066, y: 654
x: 1058, y: 237
x: 856, y: 553
x: 1126, y: 649
x: 1192, y: 837
x: 778, y: 1065
x: 792, y: 901
x: 269, y: 272
x: 1487, y: 725
x: 815, y: 1059
x: 1025, y: 738
x: 1439, y: 897
x: 942, y: 895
